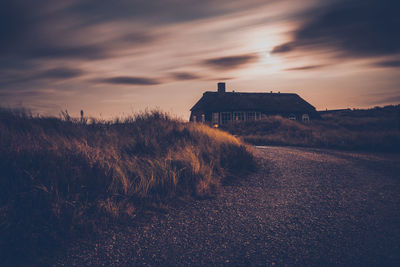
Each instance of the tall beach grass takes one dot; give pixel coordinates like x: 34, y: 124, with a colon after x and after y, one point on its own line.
x: 376, y: 130
x: 60, y: 177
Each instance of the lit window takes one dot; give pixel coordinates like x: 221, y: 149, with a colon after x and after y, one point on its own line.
x: 251, y: 116
x: 238, y: 116
x: 215, y: 118
x: 226, y: 117
x: 292, y: 117
x: 305, y: 118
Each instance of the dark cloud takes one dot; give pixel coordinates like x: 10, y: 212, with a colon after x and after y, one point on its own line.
x: 159, y: 12
x: 283, y: 48
x: 61, y: 73
x: 14, y: 24
x: 138, y: 37
x: 388, y: 64
x: 181, y: 76
x: 356, y: 28
x: 84, y: 52
x: 128, y: 80
x: 309, y: 67
x: 220, y: 79
x: 44, y: 30
x: 40, y: 48
x: 231, y: 62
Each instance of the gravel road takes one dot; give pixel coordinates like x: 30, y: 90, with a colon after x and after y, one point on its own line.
x: 304, y: 207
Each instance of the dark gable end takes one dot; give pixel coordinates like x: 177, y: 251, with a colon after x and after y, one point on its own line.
x: 268, y: 103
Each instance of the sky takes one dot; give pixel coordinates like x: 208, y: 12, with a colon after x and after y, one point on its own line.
x: 115, y: 58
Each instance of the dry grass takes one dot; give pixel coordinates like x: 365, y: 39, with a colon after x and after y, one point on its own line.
x: 370, y: 130
x: 64, y: 176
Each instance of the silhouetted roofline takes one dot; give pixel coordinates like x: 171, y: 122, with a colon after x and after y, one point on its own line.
x: 248, y: 93
x: 259, y: 101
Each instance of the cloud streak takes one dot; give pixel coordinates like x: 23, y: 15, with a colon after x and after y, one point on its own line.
x: 184, y: 76
x: 310, y: 67
x: 130, y: 80
x: 52, y: 74
x: 60, y: 73
x: 230, y: 62
x: 388, y: 64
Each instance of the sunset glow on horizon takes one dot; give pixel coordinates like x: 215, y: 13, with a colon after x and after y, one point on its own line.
x: 115, y: 58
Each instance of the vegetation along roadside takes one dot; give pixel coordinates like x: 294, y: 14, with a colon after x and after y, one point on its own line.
x: 59, y: 177
x: 375, y: 130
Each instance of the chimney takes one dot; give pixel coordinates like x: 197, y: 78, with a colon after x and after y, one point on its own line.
x: 221, y: 87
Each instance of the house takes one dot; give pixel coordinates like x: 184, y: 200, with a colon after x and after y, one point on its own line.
x: 223, y: 107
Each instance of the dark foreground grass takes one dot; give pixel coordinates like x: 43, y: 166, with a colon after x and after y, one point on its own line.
x: 60, y: 178
x: 369, y: 130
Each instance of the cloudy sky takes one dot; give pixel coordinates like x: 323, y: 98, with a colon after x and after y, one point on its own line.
x: 112, y: 58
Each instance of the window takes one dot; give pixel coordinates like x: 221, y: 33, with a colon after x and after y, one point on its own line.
x: 226, y: 117
x: 305, y: 118
x: 292, y: 117
x: 251, y: 116
x: 203, y: 118
x: 215, y: 118
x: 194, y: 118
x: 238, y: 116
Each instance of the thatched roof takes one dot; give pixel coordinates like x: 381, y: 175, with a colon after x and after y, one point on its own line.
x: 263, y: 102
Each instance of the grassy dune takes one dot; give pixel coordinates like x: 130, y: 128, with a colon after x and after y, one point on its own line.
x: 375, y: 129
x: 62, y: 177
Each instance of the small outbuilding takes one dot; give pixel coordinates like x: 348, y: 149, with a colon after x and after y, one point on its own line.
x: 223, y: 107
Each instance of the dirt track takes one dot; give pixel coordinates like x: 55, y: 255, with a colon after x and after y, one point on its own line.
x: 304, y: 207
